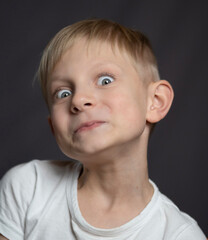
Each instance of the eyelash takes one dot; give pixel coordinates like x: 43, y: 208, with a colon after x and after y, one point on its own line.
x: 105, y: 74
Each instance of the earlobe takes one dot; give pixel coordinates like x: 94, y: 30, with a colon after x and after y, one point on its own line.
x: 50, y: 124
x: 159, y: 100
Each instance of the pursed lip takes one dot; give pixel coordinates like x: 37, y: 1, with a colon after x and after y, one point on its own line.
x: 89, y: 125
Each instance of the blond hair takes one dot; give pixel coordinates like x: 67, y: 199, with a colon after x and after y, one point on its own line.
x: 134, y: 43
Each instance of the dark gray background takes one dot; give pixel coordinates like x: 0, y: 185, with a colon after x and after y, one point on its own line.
x: 178, y: 31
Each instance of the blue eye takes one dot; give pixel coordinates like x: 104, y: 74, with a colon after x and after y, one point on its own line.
x: 104, y: 80
x: 64, y: 93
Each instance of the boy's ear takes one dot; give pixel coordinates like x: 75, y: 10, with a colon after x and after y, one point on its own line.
x: 50, y: 124
x: 159, y: 100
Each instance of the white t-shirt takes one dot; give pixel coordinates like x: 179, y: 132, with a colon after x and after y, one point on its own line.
x: 38, y: 201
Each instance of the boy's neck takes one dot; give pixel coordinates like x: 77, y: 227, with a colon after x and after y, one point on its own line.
x: 119, y: 194
x: 116, y: 179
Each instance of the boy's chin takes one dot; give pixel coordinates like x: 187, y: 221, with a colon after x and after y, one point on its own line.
x: 85, y: 152
x: 89, y: 152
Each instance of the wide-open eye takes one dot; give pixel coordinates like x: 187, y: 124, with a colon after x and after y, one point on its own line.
x: 104, y: 80
x: 64, y: 93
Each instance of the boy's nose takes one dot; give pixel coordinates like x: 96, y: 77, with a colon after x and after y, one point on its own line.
x: 80, y: 102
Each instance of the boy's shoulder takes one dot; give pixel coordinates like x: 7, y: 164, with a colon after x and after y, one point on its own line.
x: 27, y: 172
x: 22, y: 182
x: 177, y: 224
x: 24, y: 178
x: 27, y: 176
x: 26, y: 189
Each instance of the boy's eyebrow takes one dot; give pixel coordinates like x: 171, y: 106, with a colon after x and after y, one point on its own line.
x: 57, y: 80
x: 96, y: 67
x: 108, y: 65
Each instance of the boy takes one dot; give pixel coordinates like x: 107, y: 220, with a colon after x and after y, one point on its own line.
x: 101, y: 84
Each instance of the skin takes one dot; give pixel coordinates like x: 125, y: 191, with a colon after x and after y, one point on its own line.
x: 3, y: 238
x: 104, y: 122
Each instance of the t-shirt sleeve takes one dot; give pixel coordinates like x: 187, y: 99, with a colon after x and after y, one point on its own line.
x: 16, y: 191
x: 191, y: 232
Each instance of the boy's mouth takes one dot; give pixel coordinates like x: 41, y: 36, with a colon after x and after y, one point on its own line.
x: 88, y: 126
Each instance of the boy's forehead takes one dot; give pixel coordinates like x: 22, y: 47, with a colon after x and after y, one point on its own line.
x: 95, y: 47
x: 95, y: 50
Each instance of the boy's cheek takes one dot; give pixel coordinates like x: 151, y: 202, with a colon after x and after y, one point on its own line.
x: 57, y: 120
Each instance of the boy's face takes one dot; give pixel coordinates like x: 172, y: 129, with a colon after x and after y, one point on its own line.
x: 97, y: 100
